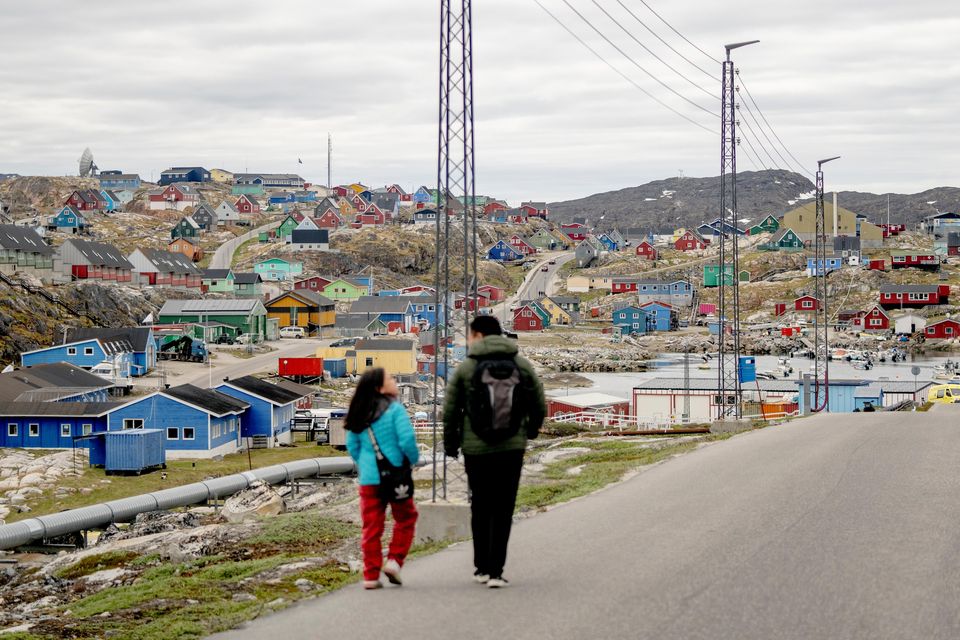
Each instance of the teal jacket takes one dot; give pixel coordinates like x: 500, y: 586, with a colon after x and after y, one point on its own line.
x: 457, y: 432
x: 394, y: 434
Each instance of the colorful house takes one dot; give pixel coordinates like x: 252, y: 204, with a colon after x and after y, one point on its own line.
x: 205, y: 216
x: 82, y: 260
x: 575, y: 231
x: 188, y: 247
x: 522, y: 246
x: 247, y: 285
x: 329, y: 218
x: 873, y: 320
x: 676, y: 293
x: 112, y: 202
x: 165, y: 268
x: 278, y: 269
x: 543, y: 240
x: 249, y: 316
x: 711, y: 275
x: 85, y: 354
x: 86, y: 200
x: 345, y: 290
x: 286, y: 227
x: 785, y: 239
x: 313, y: 283
x: 247, y: 205
x: 23, y: 250
x: 631, y: 320
x: 178, y: 197
x: 394, y: 311
x: 303, y: 308
x: 916, y: 260
x: 560, y: 314
x: 502, y: 251
x: 117, y: 180
x: 661, y: 316
x: 526, y: 317
x: 647, y: 250
x: 690, y: 241
x: 902, y: 296
x: 270, y: 412
x: 183, y: 174
x: 805, y: 304
x: 833, y: 263
x: 227, y: 215
x: 768, y: 225
x: 69, y: 219
x: 535, y: 209
x: 946, y: 329
x: 217, y: 280
x: 187, y: 227
x: 395, y: 355
x: 270, y: 180
x: 143, y: 347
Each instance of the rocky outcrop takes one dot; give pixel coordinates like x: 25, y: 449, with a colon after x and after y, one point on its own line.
x: 24, y: 476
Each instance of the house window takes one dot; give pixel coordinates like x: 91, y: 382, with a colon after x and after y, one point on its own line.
x: 71, y: 351
x: 188, y: 433
x: 133, y: 423
x: 12, y: 430
x: 807, y: 304
x: 34, y: 430
x: 369, y: 362
x: 86, y: 429
x: 65, y: 430
x: 948, y: 331
x: 88, y: 351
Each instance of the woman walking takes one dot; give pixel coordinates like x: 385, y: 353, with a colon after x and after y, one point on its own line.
x: 375, y: 410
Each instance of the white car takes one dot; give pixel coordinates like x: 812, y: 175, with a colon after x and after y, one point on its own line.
x: 293, y: 332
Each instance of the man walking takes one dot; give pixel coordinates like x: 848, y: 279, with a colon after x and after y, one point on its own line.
x: 494, y: 403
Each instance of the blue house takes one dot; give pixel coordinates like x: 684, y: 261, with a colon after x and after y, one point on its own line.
x: 140, y: 339
x: 267, y: 422
x: 833, y: 263
x: 661, y: 316
x: 183, y: 174
x: 51, y: 425
x: 305, y: 197
x: 424, y: 308
x: 842, y: 395
x: 717, y: 227
x: 197, y: 423
x: 608, y: 243
x: 83, y: 353
x: 113, y: 200
x: 631, y: 320
x: 70, y: 219
x: 503, y: 252
x: 282, y: 198
x: 422, y: 195
x: 56, y: 382
x: 119, y: 181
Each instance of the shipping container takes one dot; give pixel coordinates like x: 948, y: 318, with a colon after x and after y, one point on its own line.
x: 300, y: 367
x: 336, y: 367
x: 131, y: 450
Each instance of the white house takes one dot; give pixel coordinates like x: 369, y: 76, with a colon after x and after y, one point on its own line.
x: 909, y: 324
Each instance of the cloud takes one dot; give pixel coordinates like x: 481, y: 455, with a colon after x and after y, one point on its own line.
x: 250, y: 84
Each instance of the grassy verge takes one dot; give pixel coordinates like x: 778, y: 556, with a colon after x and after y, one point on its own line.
x: 102, y: 488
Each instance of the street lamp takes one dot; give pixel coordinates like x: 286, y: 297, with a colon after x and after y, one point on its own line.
x: 820, y: 331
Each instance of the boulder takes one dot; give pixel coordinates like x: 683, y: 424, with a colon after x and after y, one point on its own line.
x: 31, y: 480
x: 257, y: 501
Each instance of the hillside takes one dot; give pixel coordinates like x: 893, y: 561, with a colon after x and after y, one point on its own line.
x: 663, y: 205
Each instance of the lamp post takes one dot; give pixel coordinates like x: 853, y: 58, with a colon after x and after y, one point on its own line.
x: 821, y: 350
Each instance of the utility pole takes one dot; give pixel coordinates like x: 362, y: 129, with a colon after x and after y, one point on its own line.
x: 821, y: 342
x: 455, y: 179
x: 728, y: 374
x: 329, y: 161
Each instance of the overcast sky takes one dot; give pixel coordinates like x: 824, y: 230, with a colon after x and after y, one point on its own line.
x: 256, y: 85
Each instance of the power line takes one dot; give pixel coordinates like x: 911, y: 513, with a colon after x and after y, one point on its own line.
x: 637, y: 64
x: 764, y: 118
x: 755, y: 160
x: 664, y: 21
x: 650, y: 51
x: 756, y: 165
x: 786, y: 163
x: 657, y: 36
x: 620, y: 73
x: 746, y: 123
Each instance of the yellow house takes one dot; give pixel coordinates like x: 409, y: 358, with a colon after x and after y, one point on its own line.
x: 678, y: 232
x: 558, y: 316
x: 398, y: 357
x: 358, y: 188
x: 601, y: 282
x: 303, y: 308
x: 578, y: 284
x: 221, y: 175
x: 803, y: 221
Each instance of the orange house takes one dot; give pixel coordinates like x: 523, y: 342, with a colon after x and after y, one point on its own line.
x: 187, y: 247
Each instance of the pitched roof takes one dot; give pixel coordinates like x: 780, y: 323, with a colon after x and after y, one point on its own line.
x: 309, y: 236
x: 216, y: 274
x: 137, y: 337
x: 383, y: 345
x: 170, y: 261
x: 305, y: 295
x: 221, y: 307
x: 214, y: 402
x: 263, y: 389
x: 908, y: 288
x: 348, y: 321
x: 100, y: 253
x: 246, y: 278
x: 380, y: 304
x: 48, y: 381
x: 24, y: 239
x: 56, y: 409
x: 779, y: 234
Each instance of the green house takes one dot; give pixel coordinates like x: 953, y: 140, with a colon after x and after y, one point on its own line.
x: 344, y: 290
x: 711, y: 275
x: 247, y: 285
x: 218, y: 280
x: 245, y: 316
x: 785, y: 239
x: 186, y: 228
x: 543, y: 240
x: 768, y: 225
x: 247, y: 189
x: 286, y: 227
x: 278, y: 269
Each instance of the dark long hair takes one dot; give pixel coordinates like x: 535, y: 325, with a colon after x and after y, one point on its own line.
x: 366, y: 400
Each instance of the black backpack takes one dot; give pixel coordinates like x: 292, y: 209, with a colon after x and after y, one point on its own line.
x: 503, y: 396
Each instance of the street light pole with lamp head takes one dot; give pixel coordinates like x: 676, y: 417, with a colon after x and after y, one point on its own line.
x: 821, y: 343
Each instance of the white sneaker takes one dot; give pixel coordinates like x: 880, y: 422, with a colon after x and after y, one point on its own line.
x: 497, y: 583
x: 391, y: 569
x: 372, y: 584
x: 481, y: 578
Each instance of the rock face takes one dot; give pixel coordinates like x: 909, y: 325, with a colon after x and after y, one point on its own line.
x: 257, y: 501
x: 23, y: 476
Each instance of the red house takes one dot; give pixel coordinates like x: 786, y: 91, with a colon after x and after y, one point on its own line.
x: 903, y: 260
x: 902, y: 296
x: 342, y: 191
x: 174, y: 193
x: 373, y: 216
x: 534, y: 209
x: 329, y: 219
x: 526, y: 319
x: 575, y: 231
x: 87, y: 200
x: 942, y: 330
x: 623, y: 285
x: 246, y: 204
x: 690, y: 241
x: 522, y: 245
x: 873, y: 320
x: 495, y: 293
x: 877, y: 264
x: 647, y: 250
x: 779, y: 308
x: 805, y: 304
x: 316, y: 283
x: 492, y: 207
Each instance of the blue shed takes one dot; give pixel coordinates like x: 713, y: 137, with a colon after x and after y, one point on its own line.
x: 51, y: 425
x: 503, y: 252
x: 83, y: 353
x: 631, y: 320
x: 336, y: 366
x: 842, y: 395
x: 834, y: 263
x: 196, y: 422
x: 132, y: 450
x: 271, y: 408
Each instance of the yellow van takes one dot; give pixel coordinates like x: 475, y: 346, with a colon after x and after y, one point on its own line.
x: 947, y: 393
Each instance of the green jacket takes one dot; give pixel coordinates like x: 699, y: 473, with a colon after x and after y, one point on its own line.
x: 457, y: 432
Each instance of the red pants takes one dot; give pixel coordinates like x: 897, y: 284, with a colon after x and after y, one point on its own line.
x: 373, y: 511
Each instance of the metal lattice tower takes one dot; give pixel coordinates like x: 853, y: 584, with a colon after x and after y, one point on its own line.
x: 821, y: 342
x: 728, y: 377
x: 455, y: 182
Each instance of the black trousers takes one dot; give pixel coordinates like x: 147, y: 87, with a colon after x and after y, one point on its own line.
x: 493, y: 479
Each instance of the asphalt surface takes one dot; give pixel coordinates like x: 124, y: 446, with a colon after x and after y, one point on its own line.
x: 829, y: 527
x: 223, y: 256
x: 224, y: 366
x: 535, y: 281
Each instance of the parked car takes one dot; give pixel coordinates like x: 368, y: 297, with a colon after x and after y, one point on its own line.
x: 944, y: 393
x: 244, y: 339
x: 293, y: 332
x: 224, y: 339
x: 345, y: 342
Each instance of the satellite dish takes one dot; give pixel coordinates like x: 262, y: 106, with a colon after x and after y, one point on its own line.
x: 87, y: 167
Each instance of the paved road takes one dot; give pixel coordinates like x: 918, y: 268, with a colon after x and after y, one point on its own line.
x: 830, y: 527
x: 223, y: 256
x: 227, y: 366
x: 534, y: 282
